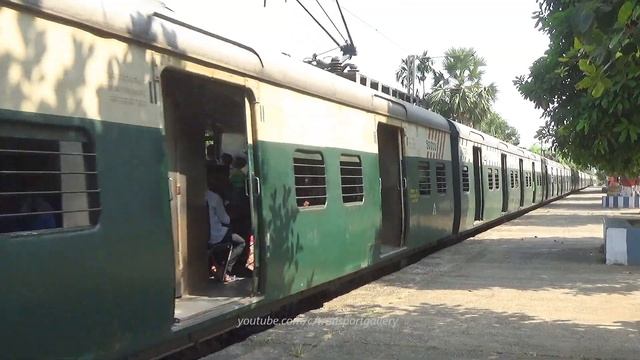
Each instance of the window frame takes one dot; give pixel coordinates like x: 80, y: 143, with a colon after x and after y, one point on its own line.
x: 295, y: 186
x: 490, y: 179
x: 465, y: 174
x: 424, y: 174
x: 444, y: 183
x: 342, y: 185
x: 70, y: 166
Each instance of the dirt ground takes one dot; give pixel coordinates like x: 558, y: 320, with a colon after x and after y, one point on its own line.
x: 535, y: 287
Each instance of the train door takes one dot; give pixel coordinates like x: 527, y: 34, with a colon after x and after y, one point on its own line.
x: 205, y: 119
x: 478, y: 183
x: 505, y: 183
x: 521, y: 180
x: 392, y: 182
x: 545, y: 181
x: 534, y: 182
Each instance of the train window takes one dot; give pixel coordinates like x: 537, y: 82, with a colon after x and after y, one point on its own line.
x: 351, y: 179
x: 512, y: 179
x: 496, y: 179
x: 490, y: 178
x: 441, y: 178
x: 465, y: 179
x: 424, y: 178
x: 310, y: 180
x: 48, y: 179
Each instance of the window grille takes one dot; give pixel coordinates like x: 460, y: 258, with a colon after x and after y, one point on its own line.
x: 351, y: 179
x: 48, y: 179
x: 465, y: 178
x: 490, y: 178
x: 424, y: 178
x: 310, y: 179
x: 441, y: 178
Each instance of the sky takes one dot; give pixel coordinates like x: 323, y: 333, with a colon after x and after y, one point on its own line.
x: 501, y: 31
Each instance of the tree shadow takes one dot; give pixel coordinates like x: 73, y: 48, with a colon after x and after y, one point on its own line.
x: 112, y: 283
x: 418, y: 330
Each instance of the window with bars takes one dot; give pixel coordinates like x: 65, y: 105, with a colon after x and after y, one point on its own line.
x: 490, y: 178
x: 351, y: 179
x: 424, y: 177
x: 441, y: 178
x: 465, y: 178
x: 310, y: 179
x: 496, y: 179
x: 512, y: 179
x: 48, y: 179
x: 517, y: 177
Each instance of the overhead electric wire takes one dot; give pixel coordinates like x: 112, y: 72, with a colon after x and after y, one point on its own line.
x: 319, y: 24
x: 376, y: 30
x: 332, y: 23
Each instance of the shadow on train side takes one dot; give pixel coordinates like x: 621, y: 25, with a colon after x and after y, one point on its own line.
x: 96, y: 282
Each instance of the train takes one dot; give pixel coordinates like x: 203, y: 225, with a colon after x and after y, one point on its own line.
x: 106, y: 109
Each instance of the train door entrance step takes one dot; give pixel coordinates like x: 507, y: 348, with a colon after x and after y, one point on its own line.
x: 207, y: 145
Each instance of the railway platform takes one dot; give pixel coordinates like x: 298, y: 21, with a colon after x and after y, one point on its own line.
x: 535, y: 287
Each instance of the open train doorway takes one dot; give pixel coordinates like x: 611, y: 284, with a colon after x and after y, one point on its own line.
x: 521, y: 180
x: 545, y: 181
x: 534, y: 182
x: 478, y: 183
x: 391, y: 187
x: 505, y: 184
x: 207, y: 132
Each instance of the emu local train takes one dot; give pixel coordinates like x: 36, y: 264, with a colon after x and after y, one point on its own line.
x: 105, y: 114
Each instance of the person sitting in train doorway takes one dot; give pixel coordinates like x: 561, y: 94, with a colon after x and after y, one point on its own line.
x: 219, y: 224
x: 239, y: 209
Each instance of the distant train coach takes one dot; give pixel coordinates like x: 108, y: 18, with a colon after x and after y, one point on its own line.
x: 113, y: 122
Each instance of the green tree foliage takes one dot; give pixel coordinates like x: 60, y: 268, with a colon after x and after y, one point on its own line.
x: 588, y: 82
x: 458, y: 92
x: 424, y: 68
x: 415, y: 68
x: 496, y: 126
x: 536, y: 149
x: 406, y: 73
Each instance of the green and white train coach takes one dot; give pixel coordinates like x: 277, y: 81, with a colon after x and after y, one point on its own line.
x: 105, y: 113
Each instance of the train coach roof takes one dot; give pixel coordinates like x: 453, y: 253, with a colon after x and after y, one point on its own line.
x: 148, y: 21
x: 469, y: 133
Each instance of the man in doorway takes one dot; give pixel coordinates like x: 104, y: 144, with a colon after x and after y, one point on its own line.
x: 219, y: 221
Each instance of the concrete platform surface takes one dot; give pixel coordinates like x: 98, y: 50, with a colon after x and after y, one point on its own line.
x: 535, y: 287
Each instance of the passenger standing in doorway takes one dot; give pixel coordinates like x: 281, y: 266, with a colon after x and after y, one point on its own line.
x: 219, y: 221
x: 211, y: 157
x: 225, y: 162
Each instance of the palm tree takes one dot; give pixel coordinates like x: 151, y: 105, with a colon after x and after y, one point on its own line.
x: 458, y: 92
x: 406, y: 72
x: 423, y: 69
